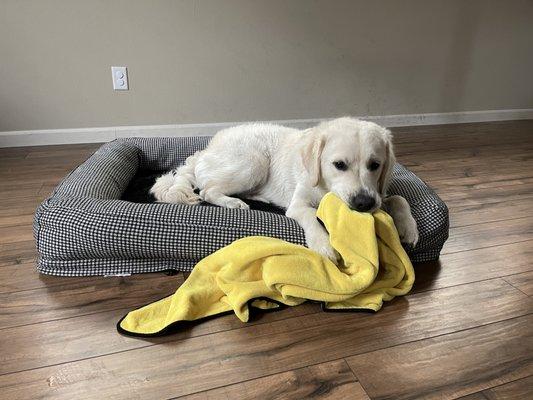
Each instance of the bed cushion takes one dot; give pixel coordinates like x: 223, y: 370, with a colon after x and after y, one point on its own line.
x: 90, y: 226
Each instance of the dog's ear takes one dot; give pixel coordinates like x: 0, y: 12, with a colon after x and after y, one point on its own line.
x: 311, y: 154
x: 388, y: 165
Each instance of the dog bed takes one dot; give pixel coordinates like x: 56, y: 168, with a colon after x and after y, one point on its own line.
x: 99, y: 220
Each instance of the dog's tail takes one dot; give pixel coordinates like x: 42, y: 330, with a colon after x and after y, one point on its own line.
x: 177, y: 186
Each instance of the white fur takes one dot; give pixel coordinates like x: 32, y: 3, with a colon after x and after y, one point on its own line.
x: 292, y: 169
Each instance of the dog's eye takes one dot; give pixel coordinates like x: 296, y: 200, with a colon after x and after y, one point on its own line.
x: 373, y: 166
x: 340, y: 165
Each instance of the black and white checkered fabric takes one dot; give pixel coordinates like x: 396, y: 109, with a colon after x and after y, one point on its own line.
x: 85, y: 229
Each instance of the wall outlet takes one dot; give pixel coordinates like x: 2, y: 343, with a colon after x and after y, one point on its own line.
x: 120, y: 78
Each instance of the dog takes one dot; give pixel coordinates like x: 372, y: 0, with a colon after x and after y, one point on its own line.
x: 293, y: 169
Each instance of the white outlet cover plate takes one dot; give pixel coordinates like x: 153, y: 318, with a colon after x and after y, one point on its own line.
x: 120, y: 78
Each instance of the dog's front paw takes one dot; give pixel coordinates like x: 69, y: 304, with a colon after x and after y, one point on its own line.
x: 407, y: 230
x: 319, y: 242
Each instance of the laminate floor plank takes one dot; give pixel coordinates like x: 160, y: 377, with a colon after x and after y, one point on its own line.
x: 476, y: 265
x: 16, y: 233
x: 454, y: 269
x: 86, y: 297
x: 521, y: 389
x: 523, y: 282
x: 221, y: 359
x: 22, y: 277
x: 489, y: 234
x: 331, y: 380
x: 17, y: 253
x: 449, y: 366
x: 461, y: 216
x: 16, y: 220
x: 88, y: 336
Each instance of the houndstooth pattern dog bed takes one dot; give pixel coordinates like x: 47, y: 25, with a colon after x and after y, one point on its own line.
x: 85, y: 228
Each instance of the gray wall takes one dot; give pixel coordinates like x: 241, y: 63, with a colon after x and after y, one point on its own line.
x: 240, y: 60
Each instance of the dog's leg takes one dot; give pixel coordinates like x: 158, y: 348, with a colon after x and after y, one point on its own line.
x: 315, y: 235
x: 399, y: 210
x: 217, y: 188
x: 216, y: 194
x: 230, y: 172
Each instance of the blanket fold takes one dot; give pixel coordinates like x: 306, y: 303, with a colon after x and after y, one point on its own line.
x: 264, y: 272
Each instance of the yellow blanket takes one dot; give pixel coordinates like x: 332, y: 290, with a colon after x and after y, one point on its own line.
x: 254, y: 270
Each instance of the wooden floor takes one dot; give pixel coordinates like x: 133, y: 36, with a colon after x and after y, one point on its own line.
x: 465, y: 331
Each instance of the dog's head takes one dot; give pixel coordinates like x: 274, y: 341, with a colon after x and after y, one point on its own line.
x: 351, y: 158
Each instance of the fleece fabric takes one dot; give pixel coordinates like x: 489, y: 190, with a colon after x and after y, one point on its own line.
x: 264, y: 273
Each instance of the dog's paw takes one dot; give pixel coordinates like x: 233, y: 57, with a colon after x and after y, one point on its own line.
x: 178, y: 194
x: 233, y: 202
x: 320, y: 244
x: 166, y: 190
x: 407, y: 230
x: 161, y: 187
x: 183, y: 197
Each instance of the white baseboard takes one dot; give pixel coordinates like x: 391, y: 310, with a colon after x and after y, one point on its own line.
x: 100, y: 135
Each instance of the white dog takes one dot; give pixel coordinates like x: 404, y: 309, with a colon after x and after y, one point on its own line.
x: 294, y: 169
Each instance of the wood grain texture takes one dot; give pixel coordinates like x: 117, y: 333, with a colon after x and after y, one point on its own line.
x: 474, y: 265
x: 17, y: 233
x: 489, y: 234
x: 523, y: 282
x: 449, y: 366
x: 21, y: 277
x: 251, y: 352
x: 80, y: 298
x: 520, y: 389
x: 449, y: 272
x: 462, y: 216
x: 24, y: 206
x: 469, y: 309
x: 94, y: 335
x: 17, y: 253
x: 473, y: 396
x: 332, y: 380
x: 16, y: 220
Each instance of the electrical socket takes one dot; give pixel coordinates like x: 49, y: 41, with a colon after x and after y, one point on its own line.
x: 120, y: 78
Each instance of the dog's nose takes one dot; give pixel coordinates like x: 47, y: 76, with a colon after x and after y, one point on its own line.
x: 362, y: 202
